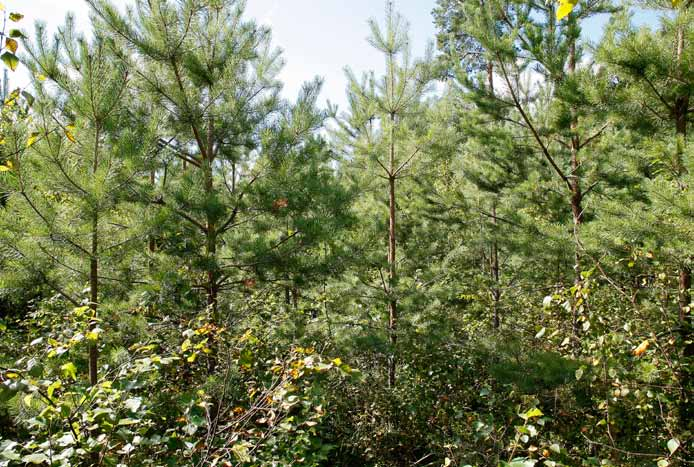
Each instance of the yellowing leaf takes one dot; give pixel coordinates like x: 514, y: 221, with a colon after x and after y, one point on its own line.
x: 41, y: 77
x: 533, y: 413
x: 641, y: 349
x: 80, y: 310
x: 70, y: 136
x: 12, y: 45
x: 32, y: 139
x: 51, y: 389
x: 10, y: 59
x: 16, y: 17
x: 6, y: 168
x: 676, y: 3
x: 565, y: 7
x: 69, y: 370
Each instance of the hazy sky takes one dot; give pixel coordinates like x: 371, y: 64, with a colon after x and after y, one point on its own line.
x: 319, y: 37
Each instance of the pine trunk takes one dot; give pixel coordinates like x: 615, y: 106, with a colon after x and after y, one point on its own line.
x: 93, y: 303
x: 576, y: 202
x: 496, y: 291
x: 681, y: 109
x: 392, y: 301
x: 94, y: 275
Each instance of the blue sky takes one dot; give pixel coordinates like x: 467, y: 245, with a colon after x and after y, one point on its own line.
x: 319, y: 37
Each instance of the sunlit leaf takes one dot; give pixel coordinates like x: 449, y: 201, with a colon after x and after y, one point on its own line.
x: 535, y: 412
x: 69, y: 370
x: 565, y: 8
x: 673, y: 445
x: 38, y: 458
x: 32, y: 139
x: 52, y: 387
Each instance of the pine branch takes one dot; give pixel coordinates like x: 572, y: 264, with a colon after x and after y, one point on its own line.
x: 528, y: 122
x: 182, y: 214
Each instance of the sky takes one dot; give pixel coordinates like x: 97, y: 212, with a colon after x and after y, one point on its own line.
x: 318, y: 37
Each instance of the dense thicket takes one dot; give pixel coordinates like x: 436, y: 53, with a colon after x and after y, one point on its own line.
x: 484, y: 260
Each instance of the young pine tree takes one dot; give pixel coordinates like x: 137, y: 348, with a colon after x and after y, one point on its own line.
x: 213, y: 73
x: 536, y: 83
x: 652, y: 75
x: 68, y: 216
x: 384, y: 130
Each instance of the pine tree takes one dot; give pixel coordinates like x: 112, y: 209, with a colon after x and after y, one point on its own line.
x: 650, y: 89
x: 541, y: 90
x: 213, y: 73
x: 383, y: 130
x: 68, y: 218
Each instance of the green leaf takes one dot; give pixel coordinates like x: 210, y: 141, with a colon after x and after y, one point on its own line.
x: 35, y: 368
x: 673, y: 445
x: 17, y: 34
x: 579, y: 373
x: 16, y: 17
x: 10, y: 60
x: 28, y: 97
x: 246, y: 358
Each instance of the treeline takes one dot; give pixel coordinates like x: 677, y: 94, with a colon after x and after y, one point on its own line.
x: 484, y: 260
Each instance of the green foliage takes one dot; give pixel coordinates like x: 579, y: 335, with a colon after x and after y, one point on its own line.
x: 494, y: 272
